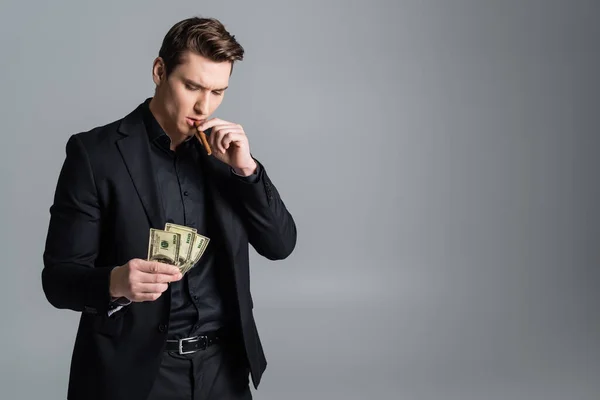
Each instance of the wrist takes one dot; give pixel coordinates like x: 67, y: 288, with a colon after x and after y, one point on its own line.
x: 112, y: 288
x: 248, y: 170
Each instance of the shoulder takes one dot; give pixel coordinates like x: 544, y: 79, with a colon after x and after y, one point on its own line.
x: 100, y: 141
x: 100, y: 136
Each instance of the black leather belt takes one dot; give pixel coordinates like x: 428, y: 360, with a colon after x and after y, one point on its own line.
x: 193, y: 344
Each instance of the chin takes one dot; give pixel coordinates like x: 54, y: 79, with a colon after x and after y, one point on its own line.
x: 188, y: 132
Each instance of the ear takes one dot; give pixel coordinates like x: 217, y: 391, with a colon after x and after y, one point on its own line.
x: 158, y: 71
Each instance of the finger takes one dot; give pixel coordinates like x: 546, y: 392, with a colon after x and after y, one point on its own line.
x: 212, y: 123
x: 216, y: 137
x: 159, y: 278
x: 214, y: 133
x: 146, y: 297
x: 223, y: 132
x: 155, y: 267
x: 233, y: 137
x: 151, y: 288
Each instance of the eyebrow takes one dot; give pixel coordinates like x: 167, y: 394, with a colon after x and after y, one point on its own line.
x: 192, y: 83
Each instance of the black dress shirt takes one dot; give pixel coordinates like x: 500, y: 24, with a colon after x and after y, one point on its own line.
x: 204, y: 299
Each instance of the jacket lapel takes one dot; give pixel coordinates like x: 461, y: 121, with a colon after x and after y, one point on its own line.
x: 135, y: 150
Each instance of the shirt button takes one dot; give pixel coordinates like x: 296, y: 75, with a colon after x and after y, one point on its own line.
x: 195, y: 297
x: 186, y: 193
x: 162, y: 328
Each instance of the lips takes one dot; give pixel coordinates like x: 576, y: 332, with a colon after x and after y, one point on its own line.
x: 192, y: 121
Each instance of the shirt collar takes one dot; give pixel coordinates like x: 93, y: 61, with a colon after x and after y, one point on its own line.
x: 156, y: 133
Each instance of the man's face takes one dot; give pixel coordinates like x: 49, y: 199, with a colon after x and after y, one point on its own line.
x: 192, y: 92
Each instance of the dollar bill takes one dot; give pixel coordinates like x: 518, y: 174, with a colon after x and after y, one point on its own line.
x: 177, y: 245
x: 169, y: 225
x: 200, y: 244
x: 186, y: 243
x: 164, y: 246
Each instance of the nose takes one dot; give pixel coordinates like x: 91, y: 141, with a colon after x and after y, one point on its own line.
x: 202, y: 105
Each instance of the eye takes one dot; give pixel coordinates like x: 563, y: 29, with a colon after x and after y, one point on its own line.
x: 217, y: 92
x: 190, y: 87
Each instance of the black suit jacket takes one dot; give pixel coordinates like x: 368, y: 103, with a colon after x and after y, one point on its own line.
x: 105, y: 203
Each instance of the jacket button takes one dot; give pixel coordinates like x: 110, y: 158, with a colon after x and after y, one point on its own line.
x: 162, y: 328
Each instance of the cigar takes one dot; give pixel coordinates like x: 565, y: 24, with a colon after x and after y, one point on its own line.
x: 201, y: 136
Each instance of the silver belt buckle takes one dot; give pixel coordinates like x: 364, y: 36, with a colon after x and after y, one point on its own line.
x: 188, y: 340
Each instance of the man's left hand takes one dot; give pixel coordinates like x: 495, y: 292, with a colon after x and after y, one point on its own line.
x: 229, y: 144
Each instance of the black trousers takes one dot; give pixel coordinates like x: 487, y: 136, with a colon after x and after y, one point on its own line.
x: 218, y: 372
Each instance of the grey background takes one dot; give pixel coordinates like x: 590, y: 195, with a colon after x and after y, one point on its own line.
x: 440, y: 159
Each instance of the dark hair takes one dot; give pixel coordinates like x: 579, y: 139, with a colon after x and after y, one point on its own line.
x: 204, y: 36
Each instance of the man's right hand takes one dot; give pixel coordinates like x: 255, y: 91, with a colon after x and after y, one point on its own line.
x: 141, y: 280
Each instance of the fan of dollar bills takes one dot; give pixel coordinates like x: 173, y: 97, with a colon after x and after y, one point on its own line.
x: 176, y: 245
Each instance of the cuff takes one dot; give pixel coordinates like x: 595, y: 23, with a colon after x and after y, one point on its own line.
x: 116, y: 304
x: 255, y: 177
x: 119, y: 301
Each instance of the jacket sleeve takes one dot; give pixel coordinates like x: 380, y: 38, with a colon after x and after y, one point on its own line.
x: 69, y: 277
x: 271, y: 227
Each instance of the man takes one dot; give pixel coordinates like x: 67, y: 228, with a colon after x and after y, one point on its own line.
x: 146, y: 331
